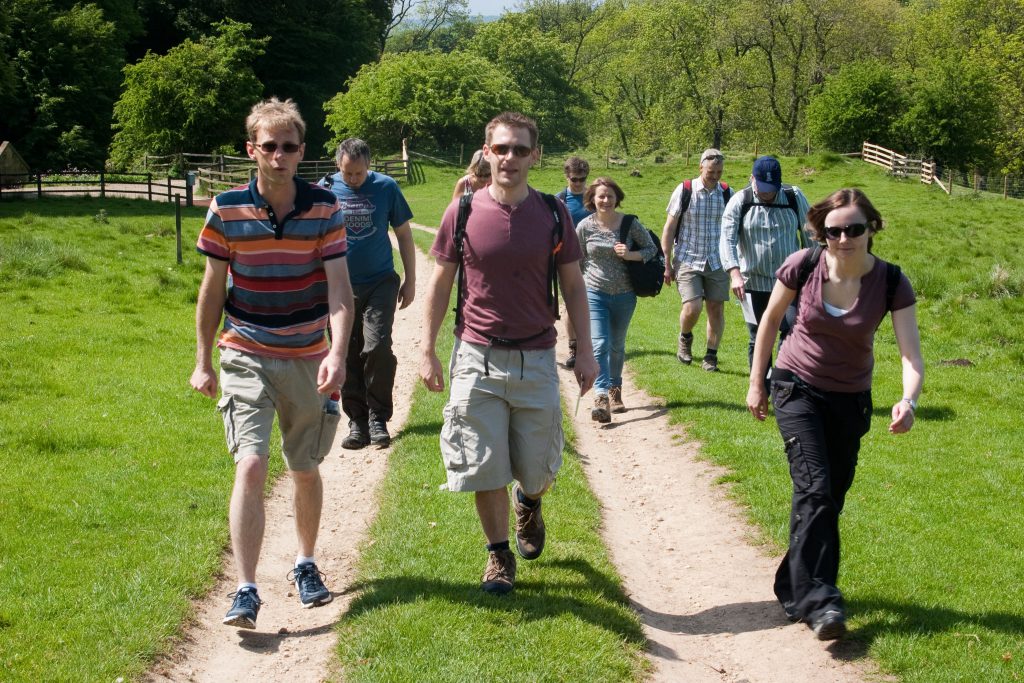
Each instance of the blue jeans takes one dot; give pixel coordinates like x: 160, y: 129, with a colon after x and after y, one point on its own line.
x: 609, y: 319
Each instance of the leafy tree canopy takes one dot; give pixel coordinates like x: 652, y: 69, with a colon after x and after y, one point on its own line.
x: 860, y: 102
x: 439, y: 99
x: 195, y: 97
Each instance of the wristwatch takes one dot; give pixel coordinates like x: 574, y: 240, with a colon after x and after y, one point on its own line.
x: 911, y: 402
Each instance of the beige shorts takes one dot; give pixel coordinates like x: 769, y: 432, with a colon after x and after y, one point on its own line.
x: 712, y: 285
x: 504, y: 427
x: 254, y: 388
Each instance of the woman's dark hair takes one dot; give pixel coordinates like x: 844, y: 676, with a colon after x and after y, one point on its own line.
x: 588, y: 196
x: 848, y: 196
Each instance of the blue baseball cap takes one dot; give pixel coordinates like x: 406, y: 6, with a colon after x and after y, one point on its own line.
x: 767, y: 174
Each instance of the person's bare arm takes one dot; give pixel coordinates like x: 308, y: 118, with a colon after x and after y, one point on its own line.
x: 439, y: 293
x: 331, y: 374
x: 908, y: 338
x: 668, y: 238
x: 209, y: 311
x: 407, y: 252
x: 782, y: 296
x: 574, y: 292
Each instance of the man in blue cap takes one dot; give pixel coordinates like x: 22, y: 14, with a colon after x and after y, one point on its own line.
x: 761, y: 226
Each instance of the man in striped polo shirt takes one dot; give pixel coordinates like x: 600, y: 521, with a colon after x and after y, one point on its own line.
x: 282, y: 241
x: 696, y: 212
x: 762, y: 225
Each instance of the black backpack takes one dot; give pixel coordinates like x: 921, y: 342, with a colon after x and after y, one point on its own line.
x: 465, y: 206
x: 647, y: 277
x: 687, y: 194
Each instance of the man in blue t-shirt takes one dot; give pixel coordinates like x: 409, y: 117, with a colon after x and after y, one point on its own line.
x: 576, y: 171
x: 371, y: 201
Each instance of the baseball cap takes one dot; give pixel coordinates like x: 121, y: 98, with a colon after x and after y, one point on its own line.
x: 767, y: 174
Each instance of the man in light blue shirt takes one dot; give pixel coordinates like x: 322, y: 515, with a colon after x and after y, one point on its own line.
x: 371, y: 202
x: 761, y: 226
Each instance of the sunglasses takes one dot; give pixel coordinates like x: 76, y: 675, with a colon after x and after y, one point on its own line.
x: 576, y: 179
x: 713, y: 157
x: 271, y: 147
x: 519, y: 150
x: 851, y: 231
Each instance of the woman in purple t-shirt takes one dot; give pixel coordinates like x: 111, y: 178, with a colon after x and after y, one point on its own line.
x: 821, y: 390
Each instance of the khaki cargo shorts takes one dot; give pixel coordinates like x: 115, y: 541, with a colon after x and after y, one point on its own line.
x: 502, y: 427
x: 254, y: 388
x: 712, y: 285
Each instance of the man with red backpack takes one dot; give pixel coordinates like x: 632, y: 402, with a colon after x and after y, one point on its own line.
x: 691, y: 236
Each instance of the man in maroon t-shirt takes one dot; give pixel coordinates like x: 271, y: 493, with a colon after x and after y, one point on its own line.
x: 503, y: 421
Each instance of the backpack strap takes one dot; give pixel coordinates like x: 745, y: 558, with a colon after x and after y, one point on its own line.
x: 627, y: 223
x: 328, y: 181
x: 557, y: 243
x: 563, y: 196
x: 684, y: 204
x: 892, y: 281
x: 807, y: 265
x: 465, y: 206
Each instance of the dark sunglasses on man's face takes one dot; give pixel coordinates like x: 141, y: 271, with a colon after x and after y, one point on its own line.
x: 854, y: 230
x: 577, y: 179
x: 271, y: 147
x: 519, y: 150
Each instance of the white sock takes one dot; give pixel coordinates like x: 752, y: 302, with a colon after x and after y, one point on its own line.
x: 299, y: 559
x: 245, y: 584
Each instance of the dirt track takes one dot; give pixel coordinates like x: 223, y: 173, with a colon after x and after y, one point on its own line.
x: 702, y: 591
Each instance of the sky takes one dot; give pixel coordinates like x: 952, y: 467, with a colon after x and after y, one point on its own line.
x: 489, y: 7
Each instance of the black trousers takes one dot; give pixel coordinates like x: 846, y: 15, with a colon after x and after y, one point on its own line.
x: 370, y: 365
x: 759, y: 302
x: 821, y: 431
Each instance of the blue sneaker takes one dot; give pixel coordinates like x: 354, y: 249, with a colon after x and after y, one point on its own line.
x: 244, y: 609
x: 309, y: 582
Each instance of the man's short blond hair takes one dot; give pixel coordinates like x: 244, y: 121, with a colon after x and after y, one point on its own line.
x: 274, y: 113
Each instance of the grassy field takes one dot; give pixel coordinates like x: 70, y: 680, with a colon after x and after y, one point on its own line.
x: 114, y: 479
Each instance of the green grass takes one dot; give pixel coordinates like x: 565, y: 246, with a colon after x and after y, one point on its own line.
x: 113, y: 474
x: 420, y: 613
x: 114, y: 479
x: 931, y: 548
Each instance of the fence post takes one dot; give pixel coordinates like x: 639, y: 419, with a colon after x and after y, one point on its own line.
x: 755, y: 148
x: 177, y: 224
x: 687, y: 153
x: 542, y: 156
x: 808, y: 144
x: 950, y: 182
x: 39, y: 185
x: 149, y: 186
x: 607, y: 158
x: 462, y: 151
x: 1006, y: 185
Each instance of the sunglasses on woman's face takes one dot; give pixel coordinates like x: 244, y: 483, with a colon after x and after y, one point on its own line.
x: 519, y: 150
x: 853, y: 230
x: 271, y: 147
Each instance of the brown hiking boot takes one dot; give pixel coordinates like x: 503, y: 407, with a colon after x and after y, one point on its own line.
x: 500, y: 574
x: 570, y: 362
x: 710, y: 363
x: 685, y: 351
x: 602, y: 411
x: 615, y: 400
x: 529, y: 527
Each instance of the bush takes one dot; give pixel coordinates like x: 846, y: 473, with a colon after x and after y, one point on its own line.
x: 860, y: 102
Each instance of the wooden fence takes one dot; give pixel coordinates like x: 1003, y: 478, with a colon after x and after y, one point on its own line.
x: 94, y: 183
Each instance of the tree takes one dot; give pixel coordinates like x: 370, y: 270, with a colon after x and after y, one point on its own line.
x: 426, y: 18
x: 195, y: 97
x: 953, y: 114
x: 433, y: 99
x: 537, y: 63
x: 860, y: 102
x: 58, y: 83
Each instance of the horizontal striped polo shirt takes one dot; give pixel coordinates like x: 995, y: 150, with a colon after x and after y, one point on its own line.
x: 277, y: 295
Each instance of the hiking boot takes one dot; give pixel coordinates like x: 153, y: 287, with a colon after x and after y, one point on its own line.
x: 602, y: 409
x: 244, y: 608
x: 710, y: 363
x: 615, y: 400
x: 830, y: 625
x: 529, y: 526
x: 570, y: 362
x: 379, y: 433
x: 685, y: 350
x: 358, y: 436
x: 310, y: 583
x: 500, y: 574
